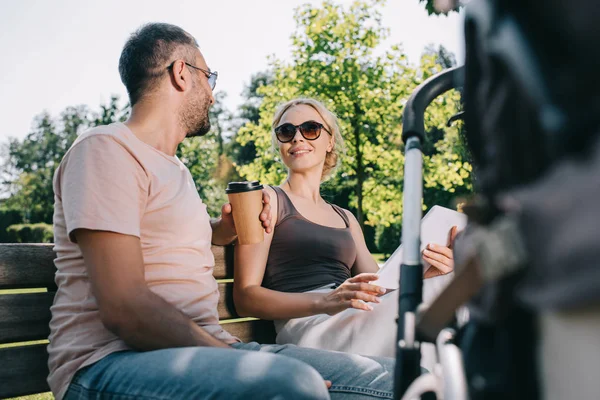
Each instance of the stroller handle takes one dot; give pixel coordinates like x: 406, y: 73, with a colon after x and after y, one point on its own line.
x: 414, y: 110
x: 411, y: 271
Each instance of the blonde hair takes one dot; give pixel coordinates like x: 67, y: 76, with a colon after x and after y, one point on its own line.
x: 331, y: 124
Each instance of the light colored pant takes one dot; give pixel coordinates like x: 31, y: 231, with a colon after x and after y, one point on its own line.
x: 247, y: 371
x: 570, y: 353
x: 370, y: 333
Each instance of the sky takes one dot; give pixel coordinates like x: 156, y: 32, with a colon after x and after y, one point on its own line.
x: 64, y: 53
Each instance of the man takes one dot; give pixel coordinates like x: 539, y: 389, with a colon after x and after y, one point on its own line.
x: 135, y: 312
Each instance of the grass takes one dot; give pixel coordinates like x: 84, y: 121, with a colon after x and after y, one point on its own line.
x: 40, y: 396
x: 21, y: 291
x: 6, y: 345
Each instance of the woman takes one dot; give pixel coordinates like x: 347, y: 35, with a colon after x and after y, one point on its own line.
x: 312, y: 274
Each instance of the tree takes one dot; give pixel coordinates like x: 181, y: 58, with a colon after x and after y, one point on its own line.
x: 207, y: 160
x: 446, y: 162
x: 30, y: 164
x: 220, y: 120
x: 333, y: 60
x: 440, y: 6
x: 443, y: 57
x: 248, y: 112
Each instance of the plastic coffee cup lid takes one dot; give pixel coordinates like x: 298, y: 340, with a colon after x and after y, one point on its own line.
x: 240, y: 187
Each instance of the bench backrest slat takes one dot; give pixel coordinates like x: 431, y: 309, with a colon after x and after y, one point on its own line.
x: 26, y: 266
x: 23, y: 370
x: 24, y: 317
x: 32, y: 265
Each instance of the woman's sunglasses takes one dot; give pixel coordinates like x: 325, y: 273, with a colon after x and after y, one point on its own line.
x: 310, y: 130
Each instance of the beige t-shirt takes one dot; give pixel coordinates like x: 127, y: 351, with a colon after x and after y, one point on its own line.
x: 110, y: 180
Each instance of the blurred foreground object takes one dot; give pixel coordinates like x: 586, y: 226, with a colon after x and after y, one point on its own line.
x: 445, y: 6
x: 532, y: 250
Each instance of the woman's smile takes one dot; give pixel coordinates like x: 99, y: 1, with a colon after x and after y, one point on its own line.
x: 299, y: 151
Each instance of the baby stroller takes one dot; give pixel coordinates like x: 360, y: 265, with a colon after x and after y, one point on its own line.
x: 532, y: 129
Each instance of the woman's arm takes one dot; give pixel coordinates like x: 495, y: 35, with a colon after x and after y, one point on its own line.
x: 365, y: 263
x: 251, y: 299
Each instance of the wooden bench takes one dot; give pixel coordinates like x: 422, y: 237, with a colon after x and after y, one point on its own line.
x: 24, y: 317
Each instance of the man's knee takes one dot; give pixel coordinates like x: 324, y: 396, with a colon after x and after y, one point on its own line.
x: 280, y: 377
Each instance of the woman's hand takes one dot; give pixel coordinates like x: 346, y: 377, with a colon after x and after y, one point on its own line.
x: 353, y: 293
x: 440, y: 257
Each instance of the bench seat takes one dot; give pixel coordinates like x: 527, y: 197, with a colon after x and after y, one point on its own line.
x: 27, y: 290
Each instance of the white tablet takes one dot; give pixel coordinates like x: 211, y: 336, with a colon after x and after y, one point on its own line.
x: 435, y: 228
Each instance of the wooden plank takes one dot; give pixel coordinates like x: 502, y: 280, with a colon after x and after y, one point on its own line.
x: 27, y: 266
x: 24, y: 370
x: 32, y: 265
x: 25, y: 317
x: 226, y: 307
x: 223, y: 262
x: 259, y: 330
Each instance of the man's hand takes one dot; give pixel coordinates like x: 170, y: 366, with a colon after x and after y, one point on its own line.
x: 224, y: 228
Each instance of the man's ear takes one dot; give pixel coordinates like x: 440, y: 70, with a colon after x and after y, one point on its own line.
x: 180, y: 78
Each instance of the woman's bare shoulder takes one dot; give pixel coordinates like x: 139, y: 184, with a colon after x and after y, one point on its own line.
x: 349, y: 214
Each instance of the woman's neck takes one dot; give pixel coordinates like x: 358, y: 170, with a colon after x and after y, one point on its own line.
x: 305, y: 185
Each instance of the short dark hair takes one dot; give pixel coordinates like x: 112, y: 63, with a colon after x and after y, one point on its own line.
x: 146, y: 55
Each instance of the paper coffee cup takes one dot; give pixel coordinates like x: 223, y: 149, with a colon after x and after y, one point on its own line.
x: 246, y: 205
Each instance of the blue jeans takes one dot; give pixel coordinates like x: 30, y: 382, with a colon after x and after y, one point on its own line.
x: 247, y: 371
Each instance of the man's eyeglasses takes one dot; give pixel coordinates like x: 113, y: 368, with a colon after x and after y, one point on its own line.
x: 310, y: 130
x: 210, y: 75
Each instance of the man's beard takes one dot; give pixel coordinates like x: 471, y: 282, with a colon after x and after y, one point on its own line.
x: 194, y: 117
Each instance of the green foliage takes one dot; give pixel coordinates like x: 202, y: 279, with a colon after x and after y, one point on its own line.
x: 200, y: 155
x: 446, y: 162
x: 248, y: 112
x: 30, y: 233
x: 30, y: 164
x: 205, y: 157
x: 387, y: 238
x: 333, y: 60
x: 7, y: 218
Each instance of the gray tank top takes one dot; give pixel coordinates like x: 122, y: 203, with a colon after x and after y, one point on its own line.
x: 305, y: 255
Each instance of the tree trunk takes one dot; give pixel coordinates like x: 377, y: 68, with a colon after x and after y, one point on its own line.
x: 220, y: 139
x: 360, y: 172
